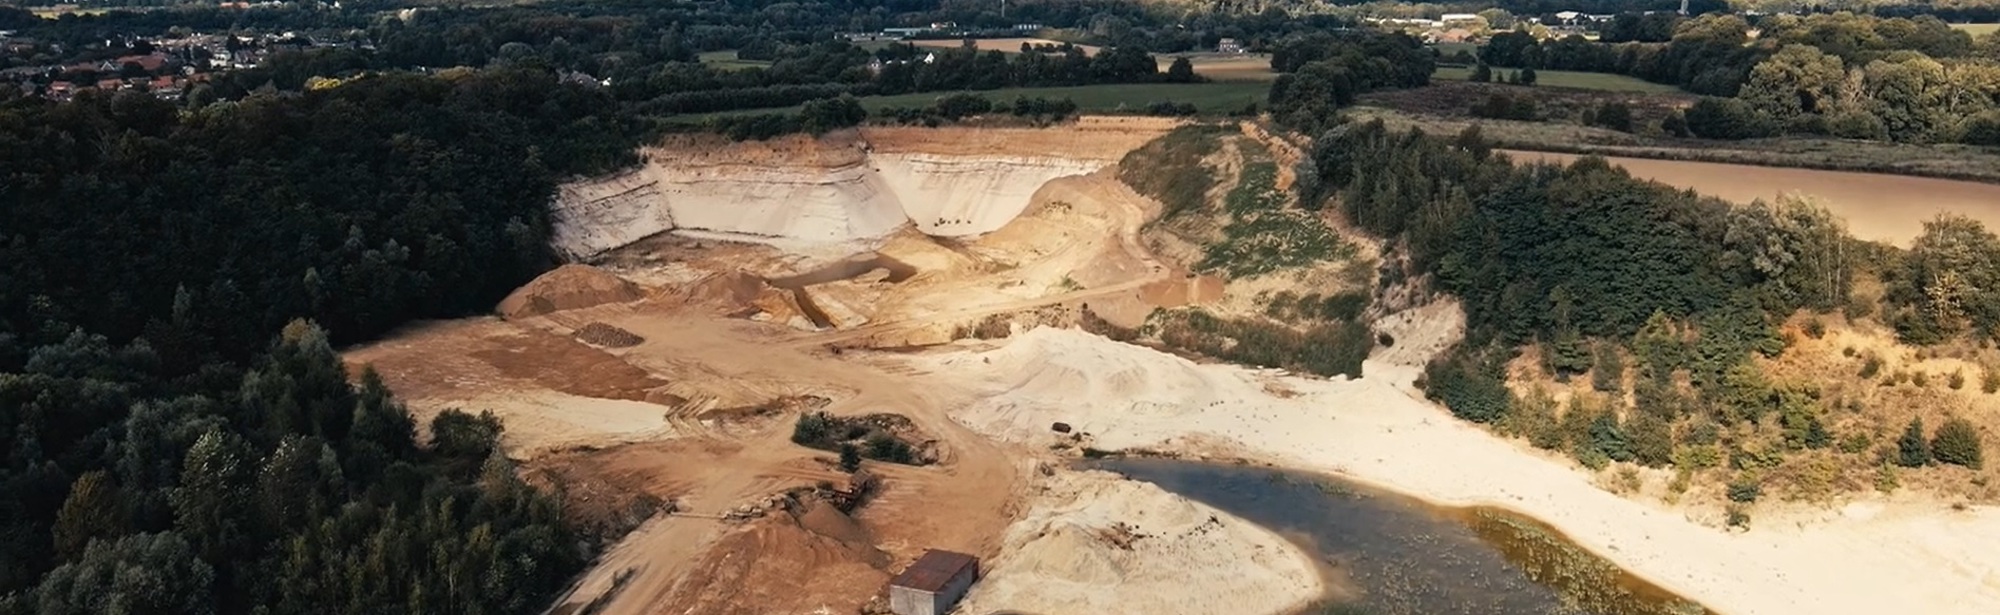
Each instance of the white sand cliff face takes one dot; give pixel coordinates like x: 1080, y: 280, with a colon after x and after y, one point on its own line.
x: 828, y: 190
x: 1094, y: 542
x: 1870, y: 557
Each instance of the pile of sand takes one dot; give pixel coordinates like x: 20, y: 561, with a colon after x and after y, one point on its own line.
x: 1097, y: 543
x: 569, y: 287
x: 740, y: 293
x: 1872, y: 557
x: 601, y: 334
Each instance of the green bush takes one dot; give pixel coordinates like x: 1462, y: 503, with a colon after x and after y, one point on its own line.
x: 1652, y: 440
x: 1913, y: 450
x: 1957, y: 443
x: 1608, y: 437
x: 1870, y: 365
x: 1607, y: 374
x: 850, y: 457
x: 1989, y: 380
x: 1957, y: 380
x: 1728, y: 119
x: 1744, y: 490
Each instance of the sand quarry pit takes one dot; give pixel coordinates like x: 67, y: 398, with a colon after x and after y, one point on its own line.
x: 708, y: 325
x: 1877, y: 207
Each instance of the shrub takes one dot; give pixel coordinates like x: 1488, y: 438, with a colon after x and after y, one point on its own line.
x: 1652, y: 440
x: 1816, y: 329
x: 1920, y: 379
x: 1982, y: 129
x: 1527, y: 76
x: 1857, y: 125
x: 1608, y: 437
x: 1870, y: 365
x: 1613, y: 115
x: 1744, y: 490
x: 1913, y: 450
x: 1739, y: 517
x: 1607, y: 374
x: 1855, y: 443
x: 1957, y: 443
x: 1729, y: 119
x: 1385, y: 340
x: 850, y: 458
x: 1989, y: 381
x: 1675, y: 125
x: 1957, y: 380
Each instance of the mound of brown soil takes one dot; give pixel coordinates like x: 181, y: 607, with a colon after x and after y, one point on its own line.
x: 569, y: 287
x: 608, y: 336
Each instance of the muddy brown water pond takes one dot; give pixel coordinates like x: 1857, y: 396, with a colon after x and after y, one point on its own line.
x: 1877, y: 207
x: 1389, y: 554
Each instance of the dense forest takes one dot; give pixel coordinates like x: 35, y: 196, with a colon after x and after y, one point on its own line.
x: 162, y: 454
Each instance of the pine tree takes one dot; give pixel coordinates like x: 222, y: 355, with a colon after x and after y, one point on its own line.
x: 1957, y: 442
x: 1912, y: 450
x: 1481, y: 73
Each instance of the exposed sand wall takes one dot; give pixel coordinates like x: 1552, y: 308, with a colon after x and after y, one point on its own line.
x: 855, y: 185
x: 953, y: 195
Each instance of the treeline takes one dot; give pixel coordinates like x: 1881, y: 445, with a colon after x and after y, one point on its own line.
x: 363, y: 206
x: 1322, y: 72
x: 1844, y: 75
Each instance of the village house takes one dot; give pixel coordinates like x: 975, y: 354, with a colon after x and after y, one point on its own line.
x: 1228, y: 45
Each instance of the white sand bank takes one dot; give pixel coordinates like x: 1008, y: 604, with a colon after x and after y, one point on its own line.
x: 1867, y: 558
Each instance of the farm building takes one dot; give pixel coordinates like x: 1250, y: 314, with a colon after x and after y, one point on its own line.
x: 932, y: 584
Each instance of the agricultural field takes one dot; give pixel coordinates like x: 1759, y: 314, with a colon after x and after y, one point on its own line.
x: 1226, y: 67
x: 1009, y: 45
x: 1977, y: 29
x: 727, y: 60
x: 1210, y: 97
x: 1566, y: 79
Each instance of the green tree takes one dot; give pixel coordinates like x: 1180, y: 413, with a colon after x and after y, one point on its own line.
x: 141, y: 574
x: 1912, y: 450
x: 209, y: 505
x: 1727, y: 118
x: 1796, y: 247
x: 1957, y: 442
x: 1607, y: 373
x: 1909, y: 95
x: 94, y: 510
x: 1527, y: 76
x: 1481, y: 73
x: 1614, y: 115
x: 1608, y: 437
x: 1799, y: 80
x: 1181, y: 71
x: 1652, y: 440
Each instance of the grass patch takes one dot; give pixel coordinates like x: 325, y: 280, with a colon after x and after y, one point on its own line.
x: 1169, y: 168
x: 1977, y: 29
x: 1326, y: 349
x: 727, y: 60
x: 1210, y: 98
x: 1264, y: 236
x: 1583, y: 579
x: 1566, y: 79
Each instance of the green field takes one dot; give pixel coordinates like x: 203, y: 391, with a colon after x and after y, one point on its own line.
x: 1217, y: 97
x: 726, y: 60
x: 1978, y: 29
x: 1565, y: 79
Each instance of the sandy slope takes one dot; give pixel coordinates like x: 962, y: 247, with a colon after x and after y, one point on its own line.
x: 1872, y: 557
x: 1097, y: 543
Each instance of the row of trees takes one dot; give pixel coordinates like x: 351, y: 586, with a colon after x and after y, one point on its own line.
x: 1322, y: 72
x: 1839, y: 74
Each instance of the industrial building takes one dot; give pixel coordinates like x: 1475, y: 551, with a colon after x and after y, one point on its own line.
x: 932, y: 584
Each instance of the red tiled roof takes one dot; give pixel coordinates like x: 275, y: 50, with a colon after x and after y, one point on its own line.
x: 931, y: 572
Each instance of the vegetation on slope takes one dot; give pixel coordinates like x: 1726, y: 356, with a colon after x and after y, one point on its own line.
x: 1671, y: 303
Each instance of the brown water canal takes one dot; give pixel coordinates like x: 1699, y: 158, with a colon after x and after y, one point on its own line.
x: 1395, y: 555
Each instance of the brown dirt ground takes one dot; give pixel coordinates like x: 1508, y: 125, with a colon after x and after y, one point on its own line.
x: 1010, y: 45
x: 1889, y: 208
